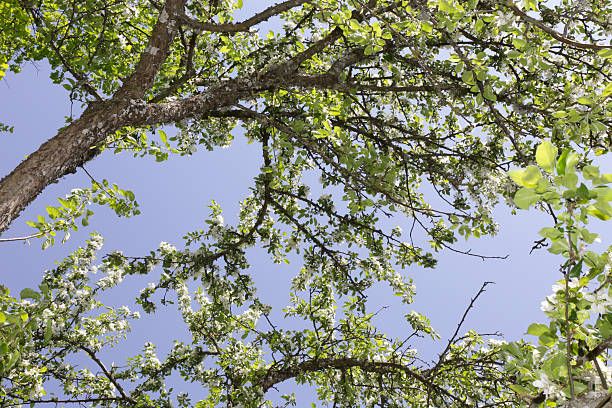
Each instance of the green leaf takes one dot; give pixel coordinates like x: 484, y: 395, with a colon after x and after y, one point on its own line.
x: 526, y: 178
x: 607, y: 90
x: 572, y: 160
x: 604, y: 179
x: 426, y: 26
x: 558, y: 365
x: 547, y: 340
x: 525, y: 197
x: 517, y: 176
x: 546, y: 156
x: 601, y: 210
x: 605, y: 329
x: 603, y: 193
x: 584, y: 100
x: 48, y: 333
x: 543, y: 186
x: 532, y: 176
x: 561, y: 162
x: 53, y: 212
x: 513, y: 349
x: 519, y: 389
x: 598, y: 126
x: 569, y: 180
x: 537, y: 329
x: 13, y: 319
x: 3, y: 348
x: 519, y: 43
x: 446, y: 6
x: 582, y: 192
x: 488, y: 93
x: 550, y: 233
x: 28, y: 293
x: 468, y: 77
x: 63, y: 202
x: 596, y: 212
x: 14, y: 357
x: 579, y: 387
x: 590, y: 172
x: 605, y: 53
x: 566, y: 163
x: 514, y: 54
x: 558, y: 247
x: 551, y: 197
x: 587, y: 236
x: 593, y: 259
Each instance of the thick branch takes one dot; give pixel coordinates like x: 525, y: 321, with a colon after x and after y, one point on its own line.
x: 244, y: 25
x: 553, y: 33
x: 73, y: 145
x: 154, y: 54
x: 274, y: 377
x: 57, y: 157
x: 593, y: 354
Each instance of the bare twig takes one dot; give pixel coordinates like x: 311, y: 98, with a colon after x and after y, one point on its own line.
x: 454, y: 336
x: 107, y: 373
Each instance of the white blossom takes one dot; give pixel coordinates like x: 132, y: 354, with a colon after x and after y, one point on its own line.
x: 599, y: 302
x: 292, y: 243
x: 546, y: 306
x: 165, y: 247
x: 218, y: 220
x: 547, y: 386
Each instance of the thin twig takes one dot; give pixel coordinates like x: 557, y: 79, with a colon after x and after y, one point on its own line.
x: 454, y: 336
x: 108, y: 374
x: 38, y: 234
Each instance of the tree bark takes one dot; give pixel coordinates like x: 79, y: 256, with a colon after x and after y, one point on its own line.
x: 75, y: 144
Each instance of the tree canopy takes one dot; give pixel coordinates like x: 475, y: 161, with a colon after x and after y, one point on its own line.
x: 432, y: 111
